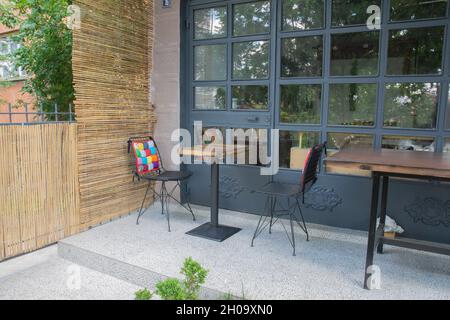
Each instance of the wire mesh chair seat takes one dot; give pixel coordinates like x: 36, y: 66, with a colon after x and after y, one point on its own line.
x: 149, y: 166
x: 293, y: 195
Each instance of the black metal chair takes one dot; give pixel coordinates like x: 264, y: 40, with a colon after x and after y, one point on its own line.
x: 158, y: 174
x: 292, y: 193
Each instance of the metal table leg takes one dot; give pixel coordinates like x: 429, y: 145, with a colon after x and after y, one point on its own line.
x: 384, y: 200
x: 372, y: 227
x: 213, y: 230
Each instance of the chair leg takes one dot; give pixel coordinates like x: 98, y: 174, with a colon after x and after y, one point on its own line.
x: 141, y: 211
x: 305, y: 228
x: 291, y: 218
x: 166, y: 203
x: 257, y: 230
x: 272, y: 209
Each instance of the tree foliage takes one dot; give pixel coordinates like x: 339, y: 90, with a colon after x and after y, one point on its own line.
x: 46, y: 49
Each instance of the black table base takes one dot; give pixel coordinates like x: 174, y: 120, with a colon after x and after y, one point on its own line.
x: 210, y: 232
x: 213, y: 230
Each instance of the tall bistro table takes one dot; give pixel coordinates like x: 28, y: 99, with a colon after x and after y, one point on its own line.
x: 213, y: 230
x: 386, y: 164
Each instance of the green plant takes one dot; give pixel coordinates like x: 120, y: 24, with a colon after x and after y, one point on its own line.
x: 171, y: 289
x: 46, y: 49
x: 187, y: 289
x: 143, y: 294
x: 195, y: 275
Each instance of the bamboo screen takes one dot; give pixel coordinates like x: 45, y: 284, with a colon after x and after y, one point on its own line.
x: 111, y: 62
x: 39, y: 186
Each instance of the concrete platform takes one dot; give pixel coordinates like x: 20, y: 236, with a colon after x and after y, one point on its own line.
x: 330, y: 266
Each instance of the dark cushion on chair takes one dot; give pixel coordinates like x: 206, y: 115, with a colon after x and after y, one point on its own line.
x: 280, y: 189
x: 169, y: 176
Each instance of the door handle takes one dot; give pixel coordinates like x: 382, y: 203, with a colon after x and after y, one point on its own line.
x: 252, y: 119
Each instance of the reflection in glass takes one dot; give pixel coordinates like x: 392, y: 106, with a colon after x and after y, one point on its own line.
x: 301, y: 103
x: 447, y: 145
x: 408, y: 143
x: 252, y: 140
x: 251, y: 18
x: 302, y: 14
x: 210, y: 98
x: 210, y: 23
x: 210, y: 62
x: 415, y: 51
x: 302, y: 57
x: 351, y: 12
x: 340, y: 141
x: 250, y: 97
x: 251, y: 60
x: 417, y: 9
x: 448, y: 109
x: 352, y: 104
x: 411, y: 105
x: 355, y: 54
x: 294, y: 148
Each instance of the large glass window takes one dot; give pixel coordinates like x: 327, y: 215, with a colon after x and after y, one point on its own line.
x: 303, y: 14
x: 447, y: 145
x: 417, y: 9
x: 315, y: 71
x: 302, y: 57
x: 210, y: 23
x: 251, y: 60
x: 352, y: 104
x: 355, y: 54
x: 411, y: 105
x: 415, y: 51
x: 301, y: 103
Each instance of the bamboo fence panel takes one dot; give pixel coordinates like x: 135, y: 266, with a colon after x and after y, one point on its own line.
x: 39, y: 186
x: 111, y: 64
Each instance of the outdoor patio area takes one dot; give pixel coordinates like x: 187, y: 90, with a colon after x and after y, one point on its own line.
x: 330, y: 266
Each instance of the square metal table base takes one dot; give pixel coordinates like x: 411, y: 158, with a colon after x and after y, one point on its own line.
x: 210, y: 232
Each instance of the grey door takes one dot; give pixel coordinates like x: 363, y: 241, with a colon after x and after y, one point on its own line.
x: 317, y: 71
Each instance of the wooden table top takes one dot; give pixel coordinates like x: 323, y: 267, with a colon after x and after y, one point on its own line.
x: 211, y: 150
x: 391, y: 161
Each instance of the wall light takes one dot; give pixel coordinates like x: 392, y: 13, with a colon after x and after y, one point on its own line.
x: 167, y: 3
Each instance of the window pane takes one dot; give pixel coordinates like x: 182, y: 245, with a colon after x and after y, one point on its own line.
x: 210, y: 62
x: 415, y: 51
x: 210, y: 98
x: 302, y: 57
x: 351, y: 12
x: 302, y: 14
x: 294, y: 148
x: 250, y: 97
x: 448, y: 109
x: 355, y: 54
x: 447, y: 145
x: 251, y: 60
x: 250, y: 140
x: 352, y: 104
x: 301, y: 103
x: 417, y: 9
x: 251, y: 18
x: 408, y: 143
x: 340, y: 141
x: 210, y: 23
x: 411, y: 105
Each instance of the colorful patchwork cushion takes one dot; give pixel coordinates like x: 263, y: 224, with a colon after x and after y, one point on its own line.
x: 147, y: 159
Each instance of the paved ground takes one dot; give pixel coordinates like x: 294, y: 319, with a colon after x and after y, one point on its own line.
x: 42, y: 275
x: 330, y: 266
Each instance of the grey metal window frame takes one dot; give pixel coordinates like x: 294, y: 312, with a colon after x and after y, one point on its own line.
x: 440, y: 133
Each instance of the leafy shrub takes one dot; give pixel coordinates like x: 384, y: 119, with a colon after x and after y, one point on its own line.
x: 143, y: 294
x: 187, y: 289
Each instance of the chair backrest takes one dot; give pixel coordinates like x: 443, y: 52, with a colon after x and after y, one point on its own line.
x: 146, y: 155
x: 310, y: 170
